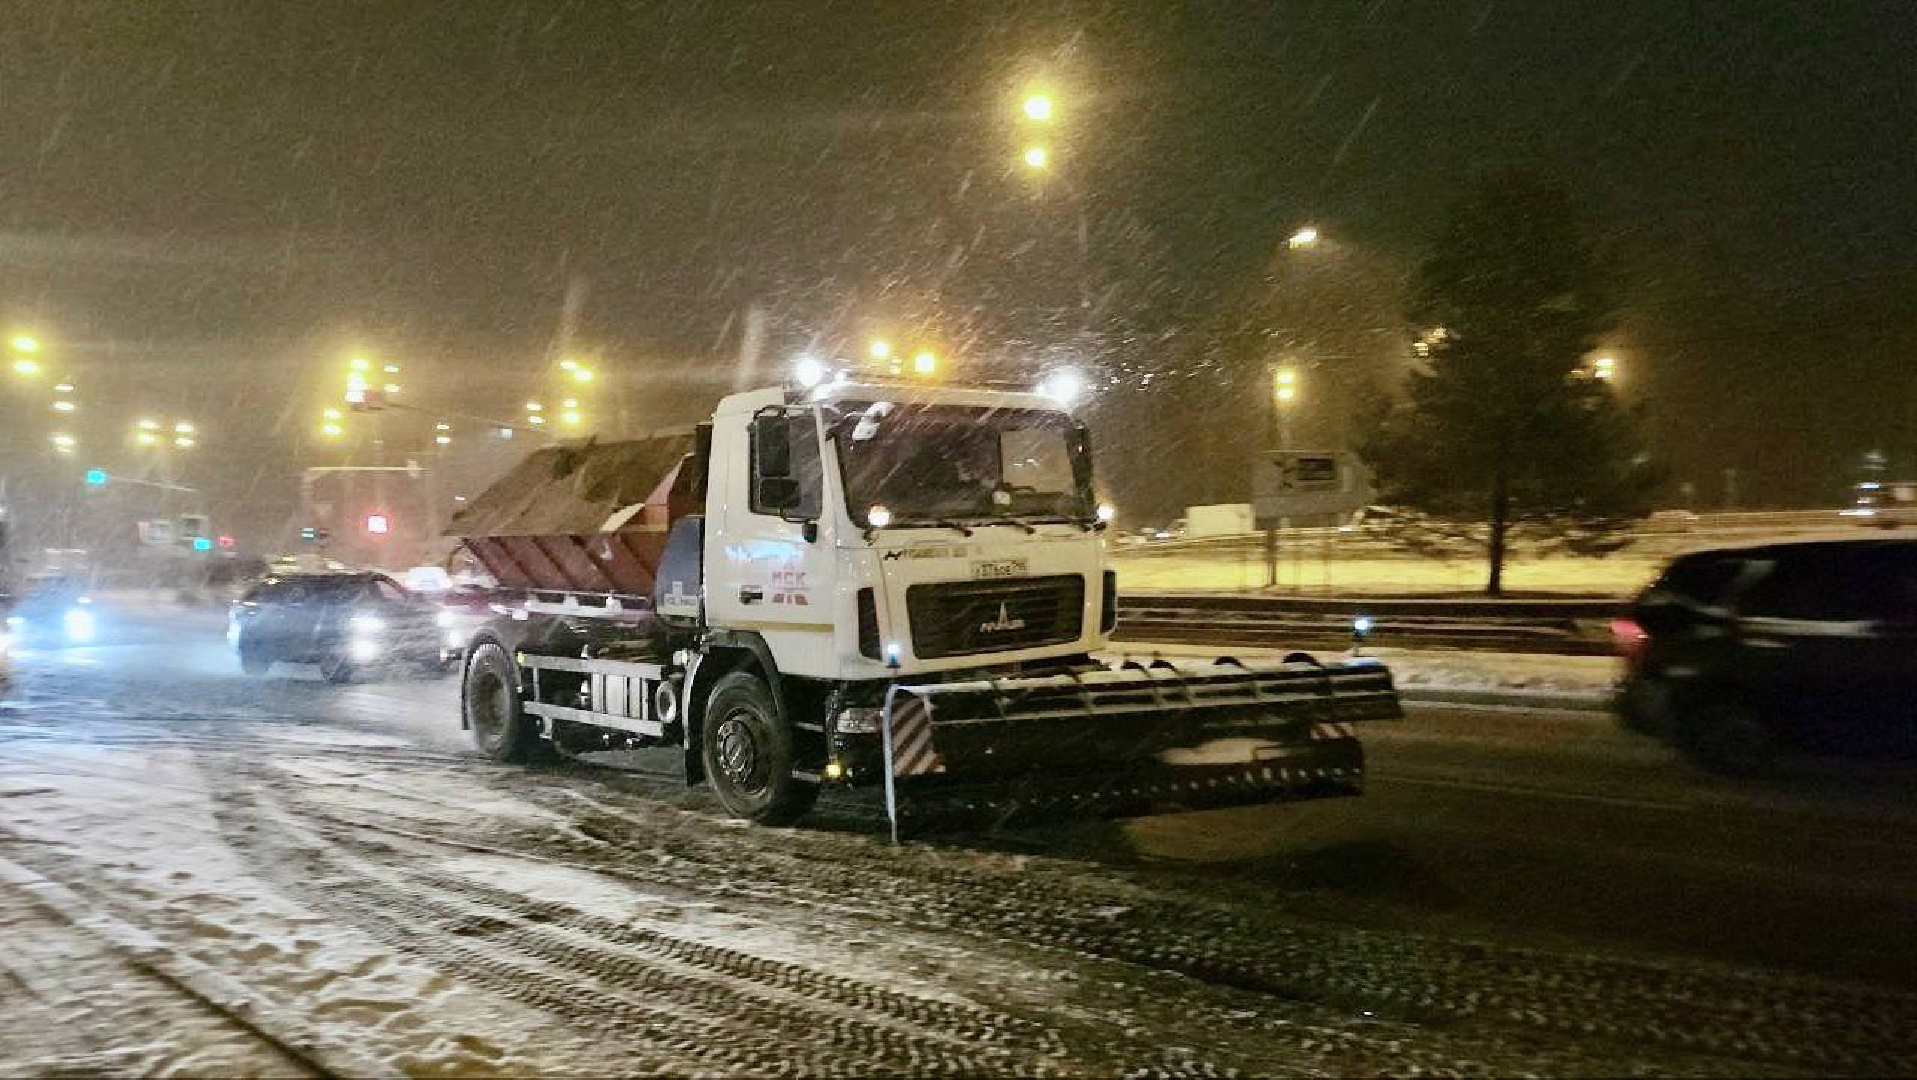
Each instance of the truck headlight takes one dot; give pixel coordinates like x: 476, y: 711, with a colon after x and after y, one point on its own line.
x: 78, y: 623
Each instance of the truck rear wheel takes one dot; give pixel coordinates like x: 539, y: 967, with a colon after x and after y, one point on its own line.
x: 748, y: 754
x: 501, y: 729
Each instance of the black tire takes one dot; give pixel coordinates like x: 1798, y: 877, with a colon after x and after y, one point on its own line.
x: 253, y: 659
x: 748, y: 754
x: 337, y: 670
x: 494, y: 711
x: 1726, y: 737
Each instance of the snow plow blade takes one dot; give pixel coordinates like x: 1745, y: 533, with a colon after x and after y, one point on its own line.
x: 1131, y: 739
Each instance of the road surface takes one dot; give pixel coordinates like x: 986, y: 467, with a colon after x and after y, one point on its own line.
x: 216, y: 874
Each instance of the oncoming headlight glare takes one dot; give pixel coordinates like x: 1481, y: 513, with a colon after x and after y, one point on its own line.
x: 366, y: 624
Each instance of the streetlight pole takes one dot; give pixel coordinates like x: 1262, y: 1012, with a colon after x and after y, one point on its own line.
x: 1284, y: 392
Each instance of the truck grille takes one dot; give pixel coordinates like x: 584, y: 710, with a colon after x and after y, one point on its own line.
x: 955, y: 618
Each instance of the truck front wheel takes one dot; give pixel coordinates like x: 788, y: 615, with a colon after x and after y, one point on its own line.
x: 501, y: 729
x: 748, y: 754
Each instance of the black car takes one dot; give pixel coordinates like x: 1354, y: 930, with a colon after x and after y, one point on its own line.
x: 344, y: 622
x: 1733, y: 654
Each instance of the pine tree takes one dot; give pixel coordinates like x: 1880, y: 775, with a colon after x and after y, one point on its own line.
x: 1504, y: 429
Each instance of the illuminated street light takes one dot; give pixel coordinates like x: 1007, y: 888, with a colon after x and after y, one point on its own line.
x: 1038, y: 107
x: 925, y: 363
x: 1605, y: 368
x: 582, y: 374
x: 880, y: 349
x: 182, y: 428
x: 331, y: 414
x: 24, y: 366
x: 63, y: 442
x: 568, y: 365
x: 332, y: 430
x: 1037, y: 157
x: 443, y: 440
x: 442, y: 426
x: 63, y: 388
x: 1303, y: 238
x: 24, y: 343
x: 391, y: 369
x: 63, y: 406
x: 569, y: 403
x: 148, y: 425
x: 145, y: 438
x: 534, y: 406
x: 360, y: 363
x: 570, y: 418
x: 184, y: 442
x: 536, y: 420
x: 1285, y: 385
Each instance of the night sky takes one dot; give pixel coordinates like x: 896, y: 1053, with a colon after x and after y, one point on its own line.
x: 205, y: 207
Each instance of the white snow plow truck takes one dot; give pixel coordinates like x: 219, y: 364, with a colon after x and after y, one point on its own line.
x: 872, y: 585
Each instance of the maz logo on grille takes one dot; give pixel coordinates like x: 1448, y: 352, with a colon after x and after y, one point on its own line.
x: 1004, y: 624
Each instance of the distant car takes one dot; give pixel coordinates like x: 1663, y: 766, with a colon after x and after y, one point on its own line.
x: 346, y: 623
x: 52, y: 609
x: 1734, y: 654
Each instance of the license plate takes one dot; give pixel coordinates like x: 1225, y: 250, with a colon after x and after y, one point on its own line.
x: 999, y: 568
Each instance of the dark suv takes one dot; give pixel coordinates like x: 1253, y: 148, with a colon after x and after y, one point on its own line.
x: 1733, y: 654
x: 344, y: 622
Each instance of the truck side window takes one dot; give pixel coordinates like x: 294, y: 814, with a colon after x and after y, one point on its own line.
x: 802, y: 451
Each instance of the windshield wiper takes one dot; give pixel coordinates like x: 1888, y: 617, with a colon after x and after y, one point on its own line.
x: 948, y: 523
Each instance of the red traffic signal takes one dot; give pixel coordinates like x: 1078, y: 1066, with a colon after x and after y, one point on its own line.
x: 378, y: 525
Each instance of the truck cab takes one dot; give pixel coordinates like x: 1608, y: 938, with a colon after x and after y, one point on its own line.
x: 874, y: 532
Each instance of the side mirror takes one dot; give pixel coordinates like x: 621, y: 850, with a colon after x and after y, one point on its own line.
x: 778, y: 493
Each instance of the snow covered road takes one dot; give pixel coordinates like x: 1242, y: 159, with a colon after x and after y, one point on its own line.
x: 202, y: 873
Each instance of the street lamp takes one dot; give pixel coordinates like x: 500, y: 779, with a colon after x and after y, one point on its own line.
x: 1037, y: 157
x: 880, y: 349
x: 23, y: 343
x: 1604, y: 368
x: 1305, y: 237
x: 1038, y: 107
x: 925, y: 363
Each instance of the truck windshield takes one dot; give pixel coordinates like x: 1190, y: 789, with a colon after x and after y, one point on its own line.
x: 945, y: 463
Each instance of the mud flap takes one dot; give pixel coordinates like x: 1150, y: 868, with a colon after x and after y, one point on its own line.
x: 1129, y: 739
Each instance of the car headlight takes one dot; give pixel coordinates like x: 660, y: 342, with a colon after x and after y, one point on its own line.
x: 366, y: 624
x: 78, y: 623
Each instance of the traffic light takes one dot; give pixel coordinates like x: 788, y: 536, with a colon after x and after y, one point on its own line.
x: 227, y: 543
x: 96, y: 477
x: 378, y: 525
x: 201, y: 543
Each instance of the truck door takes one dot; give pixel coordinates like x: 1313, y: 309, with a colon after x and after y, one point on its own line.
x: 762, y: 573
